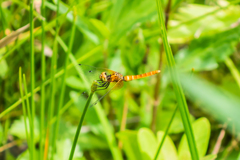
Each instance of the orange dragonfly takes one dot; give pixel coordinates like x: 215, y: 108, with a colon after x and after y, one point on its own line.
x: 108, y: 79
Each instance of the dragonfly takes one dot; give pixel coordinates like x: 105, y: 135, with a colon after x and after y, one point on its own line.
x: 108, y: 80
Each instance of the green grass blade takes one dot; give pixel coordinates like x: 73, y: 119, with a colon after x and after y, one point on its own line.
x: 177, y: 86
x: 3, y: 20
x: 53, y: 85
x: 89, y: 54
x: 233, y: 70
x: 43, y: 77
x: 80, y: 126
x: 165, y: 134
x: 30, y: 118
x: 62, y: 94
x: 32, y: 76
x: 23, y: 105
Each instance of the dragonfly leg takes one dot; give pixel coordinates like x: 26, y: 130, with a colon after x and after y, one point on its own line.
x: 104, y: 86
x: 101, y: 83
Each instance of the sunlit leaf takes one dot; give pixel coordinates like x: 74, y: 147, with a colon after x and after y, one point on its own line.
x: 201, y: 130
x: 168, y: 150
x: 130, y: 144
x: 18, y: 129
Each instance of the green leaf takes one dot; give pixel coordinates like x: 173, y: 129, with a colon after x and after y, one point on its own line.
x: 205, y: 53
x: 24, y: 156
x: 74, y: 82
x: 216, y: 101
x: 82, y: 23
x: 100, y: 27
x: 147, y: 143
x: 130, y: 144
x: 1, y: 133
x: 4, y: 67
x: 168, y: 150
x: 64, y: 148
x: 131, y: 14
x: 18, y: 129
x: 186, y: 23
x: 164, y: 117
x: 201, y: 130
x: 88, y: 141
x: 209, y: 157
x: 133, y: 50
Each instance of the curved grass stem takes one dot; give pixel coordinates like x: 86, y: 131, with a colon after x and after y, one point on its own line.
x: 165, y: 134
x: 80, y: 126
x: 183, y: 108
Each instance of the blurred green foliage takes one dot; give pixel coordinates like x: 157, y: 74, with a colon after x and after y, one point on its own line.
x: 125, y: 36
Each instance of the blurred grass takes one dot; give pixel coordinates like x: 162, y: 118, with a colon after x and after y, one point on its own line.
x: 23, y: 106
x: 50, y: 128
x: 43, y: 77
x: 31, y: 121
x: 63, y: 88
x: 123, y: 36
x: 32, y: 77
x: 80, y: 125
x: 177, y: 86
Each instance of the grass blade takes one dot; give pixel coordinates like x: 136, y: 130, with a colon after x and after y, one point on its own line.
x: 177, y: 86
x: 53, y: 85
x: 94, y: 88
x: 43, y: 77
x: 31, y: 121
x: 32, y: 76
x: 165, y: 134
x: 23, y: 106
x: 89, y: 54
x: 62, y: 94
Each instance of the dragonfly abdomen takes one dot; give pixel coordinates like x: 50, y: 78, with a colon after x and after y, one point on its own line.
x: 132, y: 77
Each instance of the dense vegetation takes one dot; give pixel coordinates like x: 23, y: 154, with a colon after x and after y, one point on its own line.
x: 193, y: 104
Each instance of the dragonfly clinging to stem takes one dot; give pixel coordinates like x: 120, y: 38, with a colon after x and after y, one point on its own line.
x: 106, y: 77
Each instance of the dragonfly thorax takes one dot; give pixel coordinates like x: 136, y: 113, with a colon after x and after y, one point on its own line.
x: 103, y: 77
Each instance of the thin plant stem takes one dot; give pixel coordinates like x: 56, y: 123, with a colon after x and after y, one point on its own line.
x: 63, y: 85
x: 3, y: 20
x: 31, y: 120
x: 165, y: 134
x: 233, y: 69
x: 23, y: 105
x: 159, y: 79
x: 183, y: 108
x: 80, y: 126
x: 47, y: 27
x: 32, y: 75
x: 43, y: 77
x: 53, y: 89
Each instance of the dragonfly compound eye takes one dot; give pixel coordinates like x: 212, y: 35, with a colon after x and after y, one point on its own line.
x: 103, y: 76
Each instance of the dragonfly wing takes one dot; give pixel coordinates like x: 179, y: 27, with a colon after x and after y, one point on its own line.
x: 118, y: 86
x: 92, y: 73
x: 88, y: 74
x: 113, y: 87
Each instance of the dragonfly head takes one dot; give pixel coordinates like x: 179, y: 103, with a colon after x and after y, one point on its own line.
x: 103, y: 76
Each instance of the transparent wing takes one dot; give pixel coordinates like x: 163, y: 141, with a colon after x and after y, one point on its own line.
x: 87, y: 76
x: 113, y: 87
x: 92, y: 73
